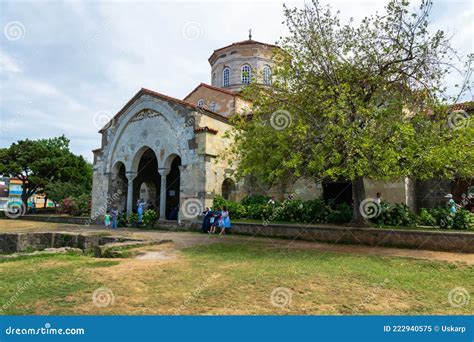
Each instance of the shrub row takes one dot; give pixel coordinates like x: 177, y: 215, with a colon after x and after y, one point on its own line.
x: 318, y: 211
x: 149, y: 219
x: 313, y: 211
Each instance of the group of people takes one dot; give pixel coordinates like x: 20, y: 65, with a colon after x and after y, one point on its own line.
x: 217, y: 218
x: 111, y: 217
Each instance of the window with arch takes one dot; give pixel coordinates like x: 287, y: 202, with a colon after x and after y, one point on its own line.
x: 246, y: 74
x: 200, y: 103
x: 228, y: 189
x: 212, y: 106
x: 226, y: 77
x: 267, y: 75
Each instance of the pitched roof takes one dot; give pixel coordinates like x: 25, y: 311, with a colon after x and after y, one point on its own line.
x: 243, y: 42
x: 228, y: 92
x: 206, y: 129
x: 144, y: 91
x: 468, y: 106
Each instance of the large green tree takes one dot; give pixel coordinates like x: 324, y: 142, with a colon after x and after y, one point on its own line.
x: 43, y: 162
x: 356, y: 100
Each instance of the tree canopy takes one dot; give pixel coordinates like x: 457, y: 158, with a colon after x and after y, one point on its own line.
x: 356, y: 100
x: 44, y: 162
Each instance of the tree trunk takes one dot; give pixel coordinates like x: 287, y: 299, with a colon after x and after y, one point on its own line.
x: 358, y: 195
x: 45, y: 201
x: 24, y: 195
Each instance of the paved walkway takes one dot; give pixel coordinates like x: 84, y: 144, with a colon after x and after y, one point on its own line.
x: 189, y: 239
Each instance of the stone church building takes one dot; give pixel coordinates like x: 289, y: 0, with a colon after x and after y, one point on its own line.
x: 168, y: 151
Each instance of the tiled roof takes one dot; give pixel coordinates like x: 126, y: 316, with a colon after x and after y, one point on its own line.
x: 243, y: 42
x: 144, y: 91
x: 205, y: 130
x: 468, y: 106
x: 228, y: 92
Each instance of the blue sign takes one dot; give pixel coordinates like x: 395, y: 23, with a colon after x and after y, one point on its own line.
x: 237, y: 328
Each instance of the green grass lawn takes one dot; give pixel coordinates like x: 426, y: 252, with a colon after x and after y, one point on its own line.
x: 234, y: 278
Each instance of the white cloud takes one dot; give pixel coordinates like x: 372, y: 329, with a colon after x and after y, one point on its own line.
x: 8, y: 63
x: 78, y: 58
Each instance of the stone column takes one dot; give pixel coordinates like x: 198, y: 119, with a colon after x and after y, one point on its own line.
x: 163, y: 173
x: 130, y: 176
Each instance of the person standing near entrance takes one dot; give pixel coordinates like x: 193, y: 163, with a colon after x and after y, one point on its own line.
x: 107, y: 220
x: 140, y: 210
x: 114, y: 216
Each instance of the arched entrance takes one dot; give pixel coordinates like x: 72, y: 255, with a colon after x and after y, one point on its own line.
x: 173, y: 189
x: 228, y: 189
x: 337, y: 192
x: 146, y: 185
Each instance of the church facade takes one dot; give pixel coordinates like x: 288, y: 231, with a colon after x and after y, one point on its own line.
x: 170, y: 152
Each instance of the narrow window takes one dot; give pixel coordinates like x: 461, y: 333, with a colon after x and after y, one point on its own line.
x: 226, y: 77
x: 212, y: 107
x: 267, y: 75
x: 201, y: 103
x: 246, y: 74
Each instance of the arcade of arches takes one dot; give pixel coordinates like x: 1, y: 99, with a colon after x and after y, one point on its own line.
x: 146, y: 183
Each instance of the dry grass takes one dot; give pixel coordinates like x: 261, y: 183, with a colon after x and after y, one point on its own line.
x: 25, y: 225
x: 236, y: 278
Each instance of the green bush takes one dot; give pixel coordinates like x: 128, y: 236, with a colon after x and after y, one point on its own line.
x: 462, y: 219
x: 236, y: 210
x: 76, y: 206
x: 395, y: 215
x: 122, y: 220
x: 219, y: 202
x: 425, y: 218
x: 254, y: 199
x: 342, y: 214
x: 132, y: 219
x: 259, y: 211
x: 315, y: 211
x: 149, y: 217
x: 318, y: 211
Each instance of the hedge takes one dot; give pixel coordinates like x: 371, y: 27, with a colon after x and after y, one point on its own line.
x: 318, y: 211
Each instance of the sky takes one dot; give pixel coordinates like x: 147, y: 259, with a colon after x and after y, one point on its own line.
x: 66, y: 67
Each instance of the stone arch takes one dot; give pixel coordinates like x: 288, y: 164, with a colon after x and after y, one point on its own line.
x: 145, y: 169
x: 228, y: 189
x: 135, y: 161
x: 174, y: 122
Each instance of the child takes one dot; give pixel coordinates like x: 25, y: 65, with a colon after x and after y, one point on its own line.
x: 225, y: 221
x: 216, y: 217
x: 107, y: 220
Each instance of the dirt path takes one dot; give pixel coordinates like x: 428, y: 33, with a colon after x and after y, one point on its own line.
x: 188, y: 239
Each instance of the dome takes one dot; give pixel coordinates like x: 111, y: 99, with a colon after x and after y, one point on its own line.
x: 235, y: 65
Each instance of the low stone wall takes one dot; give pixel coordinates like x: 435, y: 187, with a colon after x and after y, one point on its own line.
x: 20, y: 242
x: 447, y: 241
x: 99, y: 245
x: 415, y: 239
